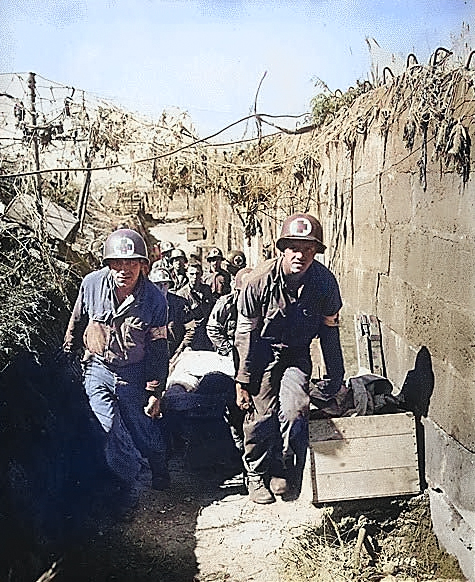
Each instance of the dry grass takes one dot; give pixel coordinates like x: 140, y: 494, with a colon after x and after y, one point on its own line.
x: 392, y: 540
x: 34, y: 294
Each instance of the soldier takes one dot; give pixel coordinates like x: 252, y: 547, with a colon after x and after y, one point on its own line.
x: 221, y: 328
x: 166, y: 248
x: 201, y: 301
x: 216, y: 277
x: 180, y: 324
x: 235, y: 261
x: 287, y: 301
x: 120, y: 319
x: 178, y: 269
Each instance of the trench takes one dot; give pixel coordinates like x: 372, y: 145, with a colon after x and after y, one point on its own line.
x: 61, y: 506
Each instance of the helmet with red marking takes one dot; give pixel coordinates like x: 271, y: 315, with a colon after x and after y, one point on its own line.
x: 301, y: 226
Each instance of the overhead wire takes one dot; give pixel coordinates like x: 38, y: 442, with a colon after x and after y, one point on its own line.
x: 95, y: 104
x: 139, y: 161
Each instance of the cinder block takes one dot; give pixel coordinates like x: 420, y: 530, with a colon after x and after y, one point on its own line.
x: 454, y: 534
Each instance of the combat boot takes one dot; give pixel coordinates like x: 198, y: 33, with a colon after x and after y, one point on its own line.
x: 258, y: 492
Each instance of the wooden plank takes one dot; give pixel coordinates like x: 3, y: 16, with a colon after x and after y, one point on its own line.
x: 374, y: 331
x: 361, y: 426
x: 365, y: 454
x: 367, y: 484
x: 309, y: 482
x: 59, y: 222
x: 195, y: 233
x: 364, y: 457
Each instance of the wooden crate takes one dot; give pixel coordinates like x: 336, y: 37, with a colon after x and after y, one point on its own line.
x: 196, y: 232
x: 363, y: 456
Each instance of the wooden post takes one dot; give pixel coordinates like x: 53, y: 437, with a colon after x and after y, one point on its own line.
x: 84, y: 195
x: 36, y: 153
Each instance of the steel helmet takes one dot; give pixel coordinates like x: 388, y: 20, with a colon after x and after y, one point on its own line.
x: 237, y: 259
x: 125, y: 244
x: 177, y: 254
x: 166, y: 246
x: 301, y: 226
x: 214, y: 253
x: 159, y: 275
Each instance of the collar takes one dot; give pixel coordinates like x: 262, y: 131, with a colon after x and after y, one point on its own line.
x: 135, y: 297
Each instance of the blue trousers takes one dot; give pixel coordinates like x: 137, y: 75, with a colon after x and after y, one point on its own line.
x: 136, y: 445
x: 276, y: 428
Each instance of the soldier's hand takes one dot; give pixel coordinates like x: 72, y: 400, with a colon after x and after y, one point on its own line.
x: 153, y: 408
x: 243, y: 398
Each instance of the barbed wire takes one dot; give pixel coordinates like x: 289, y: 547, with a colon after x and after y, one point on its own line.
x: 82, y: 109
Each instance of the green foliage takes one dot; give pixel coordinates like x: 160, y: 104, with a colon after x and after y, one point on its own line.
x: 35, y: 292
x: 326, y: 104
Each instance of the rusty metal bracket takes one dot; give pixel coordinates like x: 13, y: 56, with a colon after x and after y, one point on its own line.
x: 368, y: 344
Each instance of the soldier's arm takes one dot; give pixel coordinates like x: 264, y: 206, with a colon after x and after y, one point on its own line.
x: 216, y: 330
x: 73, y: 338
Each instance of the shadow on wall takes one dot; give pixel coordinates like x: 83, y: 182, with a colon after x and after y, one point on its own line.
x: 415, y: 396
x: 418, y: 386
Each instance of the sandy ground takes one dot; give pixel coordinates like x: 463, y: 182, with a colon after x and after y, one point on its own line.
x: 201, y: 530
x: 174, y: 231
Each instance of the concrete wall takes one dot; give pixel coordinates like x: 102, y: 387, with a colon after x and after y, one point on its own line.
x: 400, y: 227
x: 406, y: 254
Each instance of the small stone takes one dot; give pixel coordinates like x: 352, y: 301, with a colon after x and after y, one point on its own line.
x: 389, y: 568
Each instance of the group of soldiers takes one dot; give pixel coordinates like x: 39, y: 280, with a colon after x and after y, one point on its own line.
x: 132, y: 320
x: 193, y: 293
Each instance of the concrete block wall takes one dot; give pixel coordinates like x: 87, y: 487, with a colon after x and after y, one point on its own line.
x: 410, y: 262
x: 405, y: 253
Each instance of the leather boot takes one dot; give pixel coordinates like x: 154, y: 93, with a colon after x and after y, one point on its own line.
x: 258, y: 492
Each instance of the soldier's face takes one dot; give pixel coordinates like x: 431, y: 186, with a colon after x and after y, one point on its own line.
x: 194, y: 276
x: 298, y: 256
x: 178, y: 264
x: 215, y: 263
x: 125, y: 273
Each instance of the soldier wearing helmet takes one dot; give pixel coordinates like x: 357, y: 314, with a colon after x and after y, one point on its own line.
x: 178, y: 262
x: 166, y: 248
x: 180, y: 323
x: 216, y: 277
x: 201, y: 301
x: 119, y: 320
x: 287, y: 302
x: 235, y: 261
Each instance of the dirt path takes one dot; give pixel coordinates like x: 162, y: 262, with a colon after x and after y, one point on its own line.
x: 238, y: 540
x: 203, y: 529
x: 174, y: 231
x: 200, y: 530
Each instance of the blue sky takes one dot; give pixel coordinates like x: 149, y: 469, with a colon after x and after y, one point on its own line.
x: 208, y: 57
